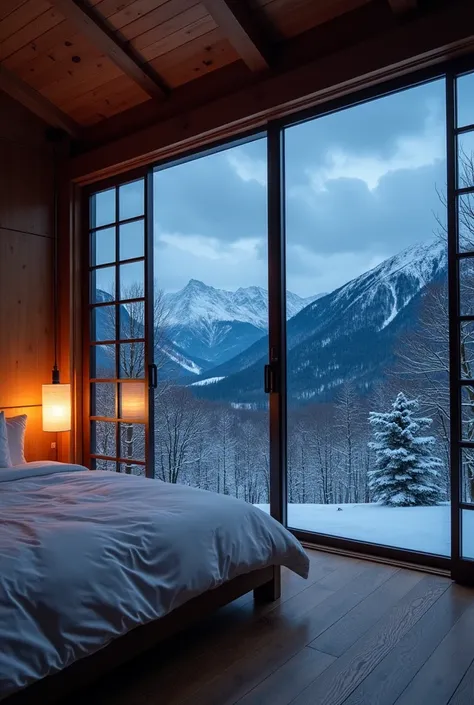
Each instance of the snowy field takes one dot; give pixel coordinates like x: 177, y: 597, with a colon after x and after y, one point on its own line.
x: 425, y: 529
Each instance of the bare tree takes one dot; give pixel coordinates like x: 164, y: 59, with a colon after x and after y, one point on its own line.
x: 180, y: 423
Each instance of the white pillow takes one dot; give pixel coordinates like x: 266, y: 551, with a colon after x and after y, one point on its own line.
x: 16, y: 427
x: 5, y: 459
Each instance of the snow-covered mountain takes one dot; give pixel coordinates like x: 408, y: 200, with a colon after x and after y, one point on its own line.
x: 215, y: 324
x: 349, y: 334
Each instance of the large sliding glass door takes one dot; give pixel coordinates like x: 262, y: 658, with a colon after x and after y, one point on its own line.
x: 368, y: 358
x: 211, y: 321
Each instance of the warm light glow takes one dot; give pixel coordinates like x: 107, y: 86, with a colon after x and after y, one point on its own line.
x: 56, y: 407
x: 133, y: 401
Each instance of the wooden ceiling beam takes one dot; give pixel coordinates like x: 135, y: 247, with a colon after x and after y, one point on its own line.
x: 401, y: 7
x: 96, y: 29
x: 36, y: 103
x: 242, y: 30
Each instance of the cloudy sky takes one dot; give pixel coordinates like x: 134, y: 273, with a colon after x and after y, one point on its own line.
x: 361, y: 185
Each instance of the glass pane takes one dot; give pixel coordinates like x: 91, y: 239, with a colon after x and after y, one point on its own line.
x: 105, y: 465
x: 465, y: 204
x: 132, y: 200
x: 133, y: 401
x: 368, y: 358
x: 132, y: 320
x: 466, y: 160
x: 466, y: 286
x: 467, y: 475
x: 467, y: 415
x: 132, y: 360
x: 132, y: 280
x: 103, y: 323
x: 465, y: 100
x: 103, y: 284
x: 103, y: 399
x: 103, y: 441
x: 131, y: 469
x: 210, y: 254
x: 103, y: 246
x: 467, y: 350
x: 102, y: 361
x: 102, y: 208
x: 132, y: 441
x: 468, y: 534
x: 132, y: 240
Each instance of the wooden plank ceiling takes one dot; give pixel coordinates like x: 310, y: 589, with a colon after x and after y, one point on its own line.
x: 87, y: 60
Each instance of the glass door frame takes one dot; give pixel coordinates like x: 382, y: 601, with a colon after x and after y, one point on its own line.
x: 461, y: 570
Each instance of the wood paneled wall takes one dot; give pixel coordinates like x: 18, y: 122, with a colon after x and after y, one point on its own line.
x: 26, y: 270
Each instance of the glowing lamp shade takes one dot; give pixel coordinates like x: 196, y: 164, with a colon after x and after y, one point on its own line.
x: 56, y: 407
x: 133, y: 401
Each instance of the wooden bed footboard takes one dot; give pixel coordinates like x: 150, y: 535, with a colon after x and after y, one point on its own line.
x: 265, y: 583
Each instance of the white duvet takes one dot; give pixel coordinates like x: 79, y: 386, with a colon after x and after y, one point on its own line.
x: 86, y: 556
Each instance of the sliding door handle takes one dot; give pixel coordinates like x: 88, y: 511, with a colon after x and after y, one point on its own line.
x: 268, y: 379
x: 153, y: 376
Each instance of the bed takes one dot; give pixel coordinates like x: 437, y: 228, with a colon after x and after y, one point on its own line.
x: 95, y: 566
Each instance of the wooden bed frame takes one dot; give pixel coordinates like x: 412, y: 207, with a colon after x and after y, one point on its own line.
x: 265, y: 584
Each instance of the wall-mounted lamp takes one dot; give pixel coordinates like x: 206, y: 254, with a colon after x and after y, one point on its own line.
x: 56, y: 407
x: 56, y: 396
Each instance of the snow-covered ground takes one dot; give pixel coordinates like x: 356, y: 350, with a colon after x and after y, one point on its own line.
x: 425, y: 529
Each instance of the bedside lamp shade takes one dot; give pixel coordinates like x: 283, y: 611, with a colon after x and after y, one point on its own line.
x: 56, y: 407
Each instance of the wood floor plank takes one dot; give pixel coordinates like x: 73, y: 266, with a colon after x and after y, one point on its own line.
x: 340, y: 637
x: 389, y: 679
x: 288, y: 638
x: 464, y: 693
x: 394, y: 636
x: 340, y: 679
x: 438, y: 679
x: 284, y: 684
x: 210, y: 648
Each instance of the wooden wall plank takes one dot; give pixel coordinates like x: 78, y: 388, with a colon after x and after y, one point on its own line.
x: 26, y: 269
x: 25, y: 188
x: 26, y: 273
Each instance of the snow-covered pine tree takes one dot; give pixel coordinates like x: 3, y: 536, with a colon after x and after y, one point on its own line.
x: 406, y: 471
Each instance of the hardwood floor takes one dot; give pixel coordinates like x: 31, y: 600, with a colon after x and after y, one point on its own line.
x: 356, y: 632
